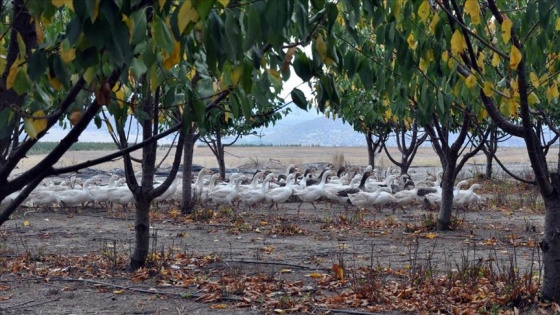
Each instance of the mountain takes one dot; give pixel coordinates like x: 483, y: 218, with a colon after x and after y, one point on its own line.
x: 319, y: 131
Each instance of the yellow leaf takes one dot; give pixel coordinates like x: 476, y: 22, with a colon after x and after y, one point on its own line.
x: 513, y: 107
x: 236, y: 75
x: 224, y: 3
x: 424, y: 10
x: 423, y: 64
x: 338, y: 272
x: 433, y: 24
x: 315, y: 275
x: 39, y: 32
x: 534, y: 79
x: 321, y: 47
x: 59, y: 3
x: 161, y: 4
x: 444, y: 56
x: 12, y: 75
x: 470, y: 81
x: 75, y: 117
x: 514, y: 57
x: 488, y: 89
x: 118, y: 291
x: 557, y: 28
x: 95, y: 10
x: 472, y: 9
x: 506, y: 29
x: 533, y: 99
x: 89, y: 74
x: 169, y: 61
x: 35, y: 124
x: 220, y: 306
x: 286, y: 271
x: 187, y: 14
x: 552, y: 92
x: 431, y: 236
x: 288, y: 59
x: 458, y: 43
x: 67, y: 53
x: 25, y: 223
x: 411, y: 41
x: 495, y: 60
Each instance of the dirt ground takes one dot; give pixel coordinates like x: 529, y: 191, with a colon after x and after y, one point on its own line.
x: 249, y: 261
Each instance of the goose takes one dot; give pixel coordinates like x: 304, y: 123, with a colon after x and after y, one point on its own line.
x: 379, y: 197
x: 42, y: 197
x: 435, y: 198
x: 170, y: 190
x: 120, y: 195
x: 251, y: 197
x: 199, y: 182
x: 253, y: 185
x: 74, y: 197
x: 98, y: 194
x: 342, y: 195
x: 315, y: 181
x: 373, y: 185
x: 211, y: 187
x: 465, y: 197
x: 313, y: 193
x: 280, y: 194
x: 405, y: 197
x: 227, y: 194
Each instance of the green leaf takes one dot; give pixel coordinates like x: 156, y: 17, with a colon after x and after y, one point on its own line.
x: 6, y: 123
x: 138, y: 68
x: 253, y: 28
x: 332, y: 14
x: 203, y: 7
x: 233, y: 34
x: 163, y: 35
x: 37, y: 65
x: 303, y: 66
x: 299, y: 98
x: 140, y: 24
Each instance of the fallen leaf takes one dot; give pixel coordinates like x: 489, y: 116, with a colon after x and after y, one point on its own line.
x: 220, y: 306
x: 118, y: 291
x: 25, y: 223
x: 286, y: 271
x: 314, y: 275
x: 338, y: 271
x: 431, y: 235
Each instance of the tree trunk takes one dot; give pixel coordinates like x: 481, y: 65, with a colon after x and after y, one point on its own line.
x: 371, y: 147
x: 446, y: 209
x: 550, y: 245
x: 142, y: 229
x: 221, y: 160
x: 188, y: 203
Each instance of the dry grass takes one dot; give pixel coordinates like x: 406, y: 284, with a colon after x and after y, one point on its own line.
x: 282, y: 156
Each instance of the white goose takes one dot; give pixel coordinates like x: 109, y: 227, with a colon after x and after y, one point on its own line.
x: 465, y: 197
x: 74, y: 197
x: 251, y: 197
x: 280, y: 194
x: 364, y: 199
x: 227, y: 195
x: 312, y: 193
x: 435, y: 199
x: 199, y: 183
x: 170, y: 190
x: 373, y: 185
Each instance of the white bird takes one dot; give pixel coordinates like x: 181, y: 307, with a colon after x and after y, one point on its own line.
x: 314, y: 192
x: 42, y: 197
x: 227, y: 194
x: 74, y: 197
x: 465, y: 197
x: 170, y: 190
x: 211, y: 187
x: 373, y: 185
x: 251, y: 197
x: 435, y: 198
x: 199, y: 183
x: 379, y: 197
x: 280, y: 194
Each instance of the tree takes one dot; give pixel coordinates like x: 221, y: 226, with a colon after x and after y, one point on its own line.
x: 495, y: 59
x: 54, y: 71
x: 408, y: 142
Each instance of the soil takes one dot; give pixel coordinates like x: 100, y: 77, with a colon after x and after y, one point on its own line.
x: 72, y: 261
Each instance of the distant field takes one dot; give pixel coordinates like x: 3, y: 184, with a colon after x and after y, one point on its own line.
x: 268, y: 156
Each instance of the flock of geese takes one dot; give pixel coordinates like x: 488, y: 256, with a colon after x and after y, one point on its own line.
x: 367, y: 189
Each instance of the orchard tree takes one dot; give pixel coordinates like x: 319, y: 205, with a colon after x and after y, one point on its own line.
x: 59, y: 63
x: 496, y: 59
